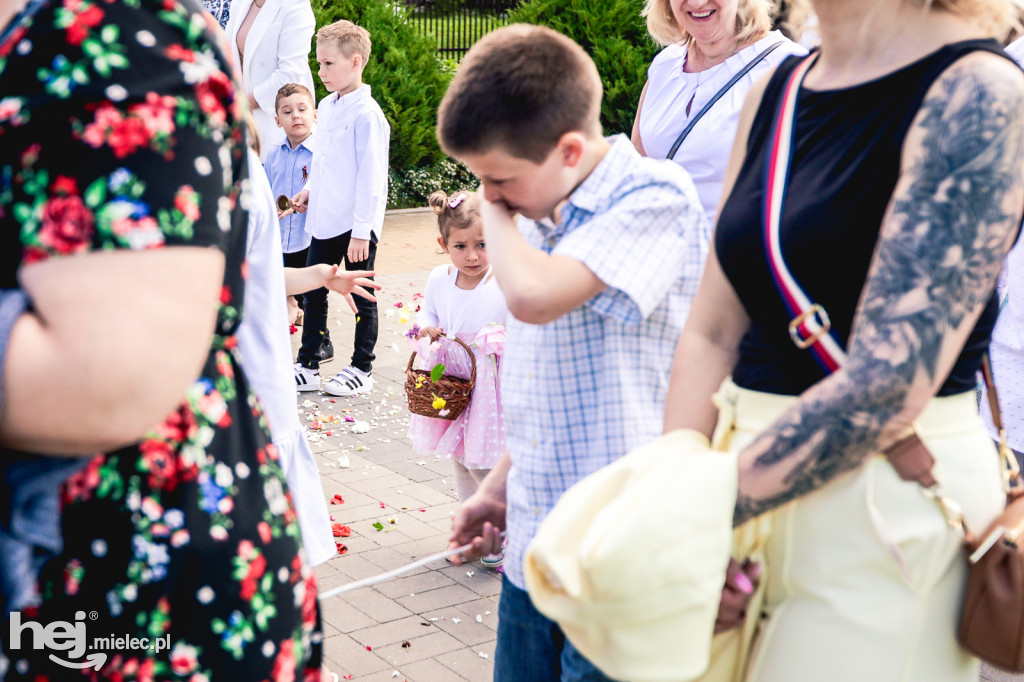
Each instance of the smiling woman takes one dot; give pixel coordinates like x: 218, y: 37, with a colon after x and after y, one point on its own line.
x: 689, y: 110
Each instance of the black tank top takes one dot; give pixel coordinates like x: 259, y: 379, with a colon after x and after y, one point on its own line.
x: 846, y: 160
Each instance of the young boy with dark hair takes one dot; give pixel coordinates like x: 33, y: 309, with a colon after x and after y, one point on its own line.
x: 599, y: 273
x: 345, y: 196
x: 287, y: 168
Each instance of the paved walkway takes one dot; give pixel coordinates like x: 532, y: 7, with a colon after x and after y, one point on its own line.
x: 438, y: 623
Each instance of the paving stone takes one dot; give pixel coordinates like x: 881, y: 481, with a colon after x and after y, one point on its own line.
x: 437, y: 599
x: 484, y: 581
x: 423, y: 582
x: 343, y: 616
x: 345, y: 656
x: 374, y: 604
x: 434, y: 643
x: 379, y: 636
x: 431, y: 671
x: 413, y: 471
x: 469, y: 663
x: 467, y: 630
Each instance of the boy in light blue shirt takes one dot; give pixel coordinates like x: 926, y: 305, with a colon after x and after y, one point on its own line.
x: 287, y: 168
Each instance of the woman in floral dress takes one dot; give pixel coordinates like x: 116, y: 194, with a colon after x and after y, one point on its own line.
x: 119, y: 131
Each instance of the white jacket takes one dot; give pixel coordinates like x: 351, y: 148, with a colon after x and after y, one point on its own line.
x: 276, y: 53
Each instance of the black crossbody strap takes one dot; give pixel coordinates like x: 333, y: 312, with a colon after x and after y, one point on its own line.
x: 718, y: 95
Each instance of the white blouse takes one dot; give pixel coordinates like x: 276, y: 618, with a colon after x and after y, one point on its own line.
x: 705, y: 152
x: 460, y: 311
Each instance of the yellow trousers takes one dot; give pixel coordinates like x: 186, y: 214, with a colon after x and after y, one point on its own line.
x: 863, y: 579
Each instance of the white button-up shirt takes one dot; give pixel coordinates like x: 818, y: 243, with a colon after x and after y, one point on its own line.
x: 348, y: 183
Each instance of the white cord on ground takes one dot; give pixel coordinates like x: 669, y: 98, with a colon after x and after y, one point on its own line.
x: 383, y: 577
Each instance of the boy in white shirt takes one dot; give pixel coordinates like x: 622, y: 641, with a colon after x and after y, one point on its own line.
x: 345, y: 197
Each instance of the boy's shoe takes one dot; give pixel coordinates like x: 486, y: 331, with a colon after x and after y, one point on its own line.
x: 306, y: 379
x: 326, y: 350
x: 348, y: 381
x: 493, y: 561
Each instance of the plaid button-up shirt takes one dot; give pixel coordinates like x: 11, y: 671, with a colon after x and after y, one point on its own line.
x: 581, y: 391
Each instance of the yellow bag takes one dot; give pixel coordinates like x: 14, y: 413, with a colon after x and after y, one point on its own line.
x: 631, y: 561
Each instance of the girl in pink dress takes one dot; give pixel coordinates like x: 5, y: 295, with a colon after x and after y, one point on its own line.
x: 463, y: 300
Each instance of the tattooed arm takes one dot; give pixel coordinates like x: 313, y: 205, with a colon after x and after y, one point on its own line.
x: 952, y: 218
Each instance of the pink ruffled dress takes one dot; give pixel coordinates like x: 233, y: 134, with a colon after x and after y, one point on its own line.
x: 476, y: 439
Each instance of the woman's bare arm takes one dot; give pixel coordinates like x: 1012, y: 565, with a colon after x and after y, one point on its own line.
x: 111, y: 345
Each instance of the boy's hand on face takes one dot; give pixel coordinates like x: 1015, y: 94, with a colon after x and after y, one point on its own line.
x: 495, y: 214
x: 300, y: 202
x: 358, y: 250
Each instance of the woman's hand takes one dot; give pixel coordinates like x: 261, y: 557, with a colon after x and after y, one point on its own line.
x: 741, y: 581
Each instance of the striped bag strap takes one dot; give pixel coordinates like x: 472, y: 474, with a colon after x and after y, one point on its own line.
x: 810, y: 327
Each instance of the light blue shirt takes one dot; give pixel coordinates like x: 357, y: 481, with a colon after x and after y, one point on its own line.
x: 581, y: 391
x: 288, y: 169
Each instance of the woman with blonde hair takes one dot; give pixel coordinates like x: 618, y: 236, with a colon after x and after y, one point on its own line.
x: 715, y: 50
x: 875, y: 187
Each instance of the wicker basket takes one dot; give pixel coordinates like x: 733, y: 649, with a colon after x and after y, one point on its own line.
x: 454, y: 391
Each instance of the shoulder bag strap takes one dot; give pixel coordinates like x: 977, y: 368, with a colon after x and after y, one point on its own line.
x: 718, y: 95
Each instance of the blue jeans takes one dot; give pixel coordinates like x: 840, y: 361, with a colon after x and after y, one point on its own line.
x: 531, y: 647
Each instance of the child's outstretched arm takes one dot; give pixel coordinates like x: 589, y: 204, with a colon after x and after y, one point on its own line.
x: 300, y: 280
x: 538, y: 287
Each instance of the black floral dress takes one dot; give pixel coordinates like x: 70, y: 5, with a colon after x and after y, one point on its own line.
x: 119, y: 129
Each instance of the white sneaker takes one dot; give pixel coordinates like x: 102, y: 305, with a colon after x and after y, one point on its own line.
x: 349, y: 381
x: 306, y: 379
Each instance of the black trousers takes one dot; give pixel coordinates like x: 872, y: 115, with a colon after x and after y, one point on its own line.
x: 314, y: 324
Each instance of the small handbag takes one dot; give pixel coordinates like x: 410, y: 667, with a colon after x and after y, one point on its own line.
x: 992, y: 618
x: 444, y: 398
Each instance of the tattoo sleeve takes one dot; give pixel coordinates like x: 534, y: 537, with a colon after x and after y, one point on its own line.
x: 950, y: 222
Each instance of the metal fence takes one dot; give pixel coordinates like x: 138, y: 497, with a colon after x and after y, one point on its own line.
x: 457, y: 24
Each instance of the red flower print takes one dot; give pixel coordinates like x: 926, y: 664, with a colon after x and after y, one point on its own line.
x: 64, y: 185
x: 156, y: 113
x: 127, y: 137
x: 84, y: 20
x: 224, y: 367
x: 225, y: 295
x: 179, y: 426
x: 67, y: 224
x: 83, y: 482
x: 179, y: 53
x: 284, y: 664
x: 147, y: 670
x: 124, y: 134
x: 159, y: 461
x: 186, y: 200
x: 212, y: 94
x: 256, y: 570
x: 309, y: 602
x: 73, y: 576
x: 31, y: 155
x: 184, y: 659
x: 264, y: 530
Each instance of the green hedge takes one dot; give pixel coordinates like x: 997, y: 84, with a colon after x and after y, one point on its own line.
x: 615, y: 35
